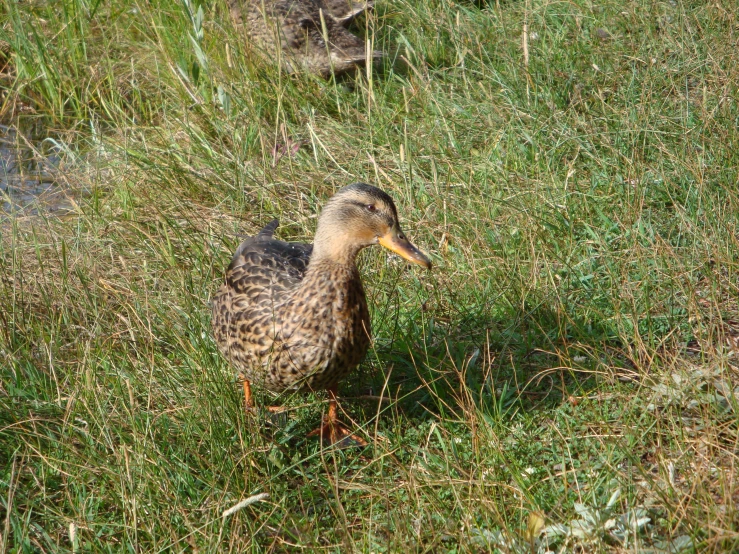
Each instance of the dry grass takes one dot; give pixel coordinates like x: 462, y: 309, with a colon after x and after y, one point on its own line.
x: 567, y: 371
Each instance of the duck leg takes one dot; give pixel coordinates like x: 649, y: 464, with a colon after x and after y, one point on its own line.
x: 338, y: 433
x: 247, y: 397
x: 249, y: 402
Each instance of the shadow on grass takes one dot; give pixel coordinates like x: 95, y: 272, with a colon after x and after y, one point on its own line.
x: 522, y: 359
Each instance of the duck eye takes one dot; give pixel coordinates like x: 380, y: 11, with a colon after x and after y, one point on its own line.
x: 371, y: 208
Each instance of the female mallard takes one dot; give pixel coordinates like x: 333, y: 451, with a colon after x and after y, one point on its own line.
x: 308, y: 33
x: 293, y: 316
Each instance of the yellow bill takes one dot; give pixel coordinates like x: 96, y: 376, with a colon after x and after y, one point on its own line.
x: 395, y: 241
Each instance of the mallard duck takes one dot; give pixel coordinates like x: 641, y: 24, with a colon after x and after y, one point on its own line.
x: 293, y: 316
x: 300, y: 29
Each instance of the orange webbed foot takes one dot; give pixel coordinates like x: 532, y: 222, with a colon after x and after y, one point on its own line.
x: 338, y: 434
x: 333, y: 430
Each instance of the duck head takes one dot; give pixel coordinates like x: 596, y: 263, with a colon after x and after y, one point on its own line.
x: 358, y: 216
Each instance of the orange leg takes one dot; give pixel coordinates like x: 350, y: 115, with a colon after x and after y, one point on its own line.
x: 333, y: 408
x: 337, y: 432
x: 247, y: 396
x: 250, y: 408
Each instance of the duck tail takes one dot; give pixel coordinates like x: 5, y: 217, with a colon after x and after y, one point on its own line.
x: 269, y: 230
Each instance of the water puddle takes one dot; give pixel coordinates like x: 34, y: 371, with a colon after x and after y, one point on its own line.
x: 30, y: 180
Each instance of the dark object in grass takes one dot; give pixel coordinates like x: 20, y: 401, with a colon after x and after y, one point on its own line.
x: 293, y: 316
x: 602, y: 34
x: 306, y: 33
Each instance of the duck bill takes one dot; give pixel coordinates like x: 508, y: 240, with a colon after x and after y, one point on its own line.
x: 396, y: 242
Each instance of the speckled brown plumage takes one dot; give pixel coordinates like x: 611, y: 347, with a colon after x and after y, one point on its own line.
x: 295, y: 29
x: 293, y: 316
x: 287, y: 327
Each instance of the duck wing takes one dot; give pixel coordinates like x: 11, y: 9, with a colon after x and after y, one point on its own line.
x: 265, y: 269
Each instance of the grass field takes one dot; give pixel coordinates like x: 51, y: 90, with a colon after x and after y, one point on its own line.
x: 565, y: 379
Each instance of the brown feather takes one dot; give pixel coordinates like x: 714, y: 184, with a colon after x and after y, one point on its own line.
x: 293, y: 316
x: 296, y: 28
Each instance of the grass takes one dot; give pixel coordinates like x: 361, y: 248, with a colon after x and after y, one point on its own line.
x: 566, y: 378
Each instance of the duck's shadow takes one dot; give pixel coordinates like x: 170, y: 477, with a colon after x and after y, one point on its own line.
x: 525, y: 359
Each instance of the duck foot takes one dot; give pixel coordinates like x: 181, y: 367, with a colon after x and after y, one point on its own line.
x: 277, y: 416
x: 333, y: 430
x: 338, y: 434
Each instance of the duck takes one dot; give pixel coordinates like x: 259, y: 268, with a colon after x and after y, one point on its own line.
x: 292, y: 316
x: 299, y: 31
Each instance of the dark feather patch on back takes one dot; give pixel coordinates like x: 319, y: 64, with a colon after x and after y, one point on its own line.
x: 289, y: 257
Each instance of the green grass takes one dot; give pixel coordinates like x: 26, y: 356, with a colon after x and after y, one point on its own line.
x: 577, y: 337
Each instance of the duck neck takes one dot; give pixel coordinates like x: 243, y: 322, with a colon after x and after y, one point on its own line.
x: 335, y: 260
x: 327, y: 276
x: 331, y: 247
